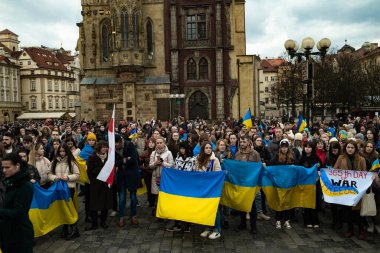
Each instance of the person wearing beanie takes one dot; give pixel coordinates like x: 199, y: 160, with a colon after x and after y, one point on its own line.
x: 359, y: 136
x: 91, y: 136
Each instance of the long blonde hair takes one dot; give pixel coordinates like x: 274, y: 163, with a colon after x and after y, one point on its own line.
x: 33, y: 152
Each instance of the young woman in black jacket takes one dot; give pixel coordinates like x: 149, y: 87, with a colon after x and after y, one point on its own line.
x: 308, y: 159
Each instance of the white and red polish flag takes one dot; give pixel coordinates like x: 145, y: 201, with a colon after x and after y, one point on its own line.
x: 107, y: 173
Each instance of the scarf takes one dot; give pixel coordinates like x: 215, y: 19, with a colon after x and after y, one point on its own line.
x: 102, y: 157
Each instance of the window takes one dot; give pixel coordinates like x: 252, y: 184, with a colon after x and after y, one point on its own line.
x: 56, y: 85
x: 7, y: 95
x: 149, y: 37
x: 106, y: 38
x: 71, y: 86
x: 33, y: 102
x: 32, y: 72
x: 272, y: 78
x: 266, y: 89
x: 71, y: 103
x: 196, y: 27
x: 63, y: 102
x: 29, y: 62
x: 50, y: 86
x: 135, y: 18
x: 124, y: 27
x: 273, y: 101
x: 50, y: 98
x: 15, y: 96
x: 191, y: 69
x: 266, y: 100
x: 56, y: 102
x: 63, y: 85
x: 266, y: 79
x: 1, y: 95
x: 203, y: 69
x: 32, y: 84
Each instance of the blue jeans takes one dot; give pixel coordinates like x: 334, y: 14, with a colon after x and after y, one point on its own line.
x: 259, y: 207
x: 123, y: 200
x: 218, y: 226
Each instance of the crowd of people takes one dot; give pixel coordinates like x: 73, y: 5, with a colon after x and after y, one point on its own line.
x: 44, y: 152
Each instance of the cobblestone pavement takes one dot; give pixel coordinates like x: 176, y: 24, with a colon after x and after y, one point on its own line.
x: 151, y: 236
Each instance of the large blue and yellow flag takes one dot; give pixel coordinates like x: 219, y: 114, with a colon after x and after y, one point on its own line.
x: 301, y: 125
x: 289, y: 186
x: 247, y: 120
x: 241, y: 184
x: 51, y: 208
x: 190, y: 196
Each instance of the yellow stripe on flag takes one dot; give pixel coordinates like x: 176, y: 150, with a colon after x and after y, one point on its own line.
x: 45, y: 220
x: 183, y: 208
x: 142, y: 190
x: 280, y: 199
x: 239, y: 197
x: 83, y: 178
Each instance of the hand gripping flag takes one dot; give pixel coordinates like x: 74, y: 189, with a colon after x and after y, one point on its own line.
x: 241, y: 184
x: 108, y: 171
x: 190, y: 196
x: 51, y: 208
x: 247, y: 121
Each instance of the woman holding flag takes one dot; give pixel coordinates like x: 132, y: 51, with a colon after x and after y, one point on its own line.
x: 351, y: 160
x: 206, y: 161
x: 64, y: 167
x: 101, y: 195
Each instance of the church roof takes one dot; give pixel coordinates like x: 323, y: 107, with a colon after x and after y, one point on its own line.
x: 271, y: 65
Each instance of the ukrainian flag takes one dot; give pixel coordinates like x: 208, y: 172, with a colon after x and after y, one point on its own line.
x: 190, y: 196
x: 51, y: 208
x: 241, y: 184
x: 375, y: 165
x: 289, y: 186
x: 302, y: 124
x: 247, y: 121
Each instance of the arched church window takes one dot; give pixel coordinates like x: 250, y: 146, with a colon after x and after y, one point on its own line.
x: 106, y: 38
x: 135, y: 18
x: 149, y: 37
x: 191, y: 69
x: 203, y: 69
x: 124, y: 29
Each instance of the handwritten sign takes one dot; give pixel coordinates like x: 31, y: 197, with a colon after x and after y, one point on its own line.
x: 344, y: 187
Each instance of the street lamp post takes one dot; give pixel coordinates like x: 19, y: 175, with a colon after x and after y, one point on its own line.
x: 175, y: 97
x: 307, y: 67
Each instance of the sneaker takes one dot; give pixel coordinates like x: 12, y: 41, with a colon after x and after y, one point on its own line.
x: 206, y: 233
x: 316, y: 226
x: 262, y: 216
x: 309, y: 226
x: 287, y: 225
x: 278, y: 224
x: 173, y: 229
x: 247, y: 216
x: 214, y: 235
x: 113, y: 214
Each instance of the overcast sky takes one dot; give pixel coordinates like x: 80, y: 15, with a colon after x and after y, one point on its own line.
x: 268, y: 23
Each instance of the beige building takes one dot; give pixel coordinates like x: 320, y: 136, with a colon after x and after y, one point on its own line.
x: 268, y: 79
x: 156, y: 58
x: 10, y: 90
x: 47, y: 81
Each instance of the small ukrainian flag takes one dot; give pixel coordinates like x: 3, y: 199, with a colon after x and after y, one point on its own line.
x: 301, y: 124
x: 247, y: 121
x: 375, y: 165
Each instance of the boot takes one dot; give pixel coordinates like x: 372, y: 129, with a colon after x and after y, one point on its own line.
x: 349, y: 232
x: 65, y: 231
x: 240, y: 227
x: 371, y: 227
x: 134, y: 221
x: 74, y: 233
x: 253, y: 229
x: 361, y: 234
x: 121, y: 222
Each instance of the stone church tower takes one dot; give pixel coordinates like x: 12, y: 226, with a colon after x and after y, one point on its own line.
x: 160, y: 58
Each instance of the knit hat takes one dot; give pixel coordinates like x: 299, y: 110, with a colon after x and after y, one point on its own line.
x: 298, y: 137
x: 284, y: 142
x: 359, y: 136
x: 91, y: 136
x: 332, y: 140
